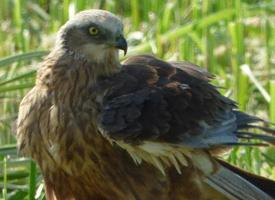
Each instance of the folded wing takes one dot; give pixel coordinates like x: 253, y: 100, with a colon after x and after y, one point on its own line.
x: 173, y: 103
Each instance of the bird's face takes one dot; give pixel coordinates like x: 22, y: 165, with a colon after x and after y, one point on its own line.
x: 94, y: 34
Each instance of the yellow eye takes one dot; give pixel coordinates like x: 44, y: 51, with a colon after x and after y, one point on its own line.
x: 93, y: 30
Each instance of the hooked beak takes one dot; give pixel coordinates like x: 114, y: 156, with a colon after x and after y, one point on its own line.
x: 121, y: 43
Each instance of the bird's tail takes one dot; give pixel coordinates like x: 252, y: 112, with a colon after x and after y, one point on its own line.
x: 237, y: 184
x: 246, y: 126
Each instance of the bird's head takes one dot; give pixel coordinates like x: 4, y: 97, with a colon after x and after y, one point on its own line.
x: 94, y: 35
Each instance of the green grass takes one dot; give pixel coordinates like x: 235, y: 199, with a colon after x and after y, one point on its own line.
x: 233, y: 39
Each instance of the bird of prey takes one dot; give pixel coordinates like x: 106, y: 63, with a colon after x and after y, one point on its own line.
x: 139, y: 130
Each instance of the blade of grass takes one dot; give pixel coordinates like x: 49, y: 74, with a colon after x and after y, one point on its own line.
x: 32, y: 180
x: 20, y: 174
x: 8, y: 149
x: 22, y: 57
x: 135, y: 13
x: 180, y: 32
x: 5, y: 178
x: 17, y: 78
x: 16, y: 87
x: 272, y: 102
x: 17, y: 19
x: 66, y: 8
x: 246, y: 69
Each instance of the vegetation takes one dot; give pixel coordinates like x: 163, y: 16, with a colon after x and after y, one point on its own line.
x: 232, y: 39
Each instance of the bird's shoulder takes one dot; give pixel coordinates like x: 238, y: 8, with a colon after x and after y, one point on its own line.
x: 147, y: 71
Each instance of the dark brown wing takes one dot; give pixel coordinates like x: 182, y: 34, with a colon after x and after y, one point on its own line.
x: 169, y: 102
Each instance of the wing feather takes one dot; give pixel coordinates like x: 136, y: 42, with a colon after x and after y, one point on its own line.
x: 152, y: 100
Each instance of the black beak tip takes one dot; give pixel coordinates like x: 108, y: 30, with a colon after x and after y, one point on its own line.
x: 121, y: 43
x: 125, y: 51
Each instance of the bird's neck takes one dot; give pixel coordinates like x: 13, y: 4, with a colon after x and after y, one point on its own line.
x: 63, y: 67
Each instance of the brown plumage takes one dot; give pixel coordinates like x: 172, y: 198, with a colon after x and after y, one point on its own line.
x: 145, y: 129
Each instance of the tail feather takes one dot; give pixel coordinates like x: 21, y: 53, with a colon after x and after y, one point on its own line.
x: 244, y: 119
x: 235, y: 183
x: 246, y: 125
x: 263, y: 128
x: 250, y: 135
x: 234, y: 186
x: 262, y: 183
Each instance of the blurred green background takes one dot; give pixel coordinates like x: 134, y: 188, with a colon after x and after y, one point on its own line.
x: 233, y: 39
